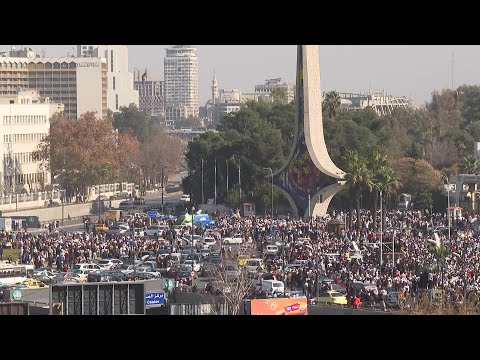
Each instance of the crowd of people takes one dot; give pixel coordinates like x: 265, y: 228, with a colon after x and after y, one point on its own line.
x: 412, y: 258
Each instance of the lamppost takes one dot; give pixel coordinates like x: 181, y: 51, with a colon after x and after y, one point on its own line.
x: 203, y: 199
x: 448, y: 202
x: 271, y: 174
x: 380, y: 189
x: 63, y: 194
x: 139, y: 174
x: 215, y: 181
x: 163, y: 169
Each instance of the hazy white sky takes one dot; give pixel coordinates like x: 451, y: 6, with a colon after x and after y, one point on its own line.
x: 402, y: 70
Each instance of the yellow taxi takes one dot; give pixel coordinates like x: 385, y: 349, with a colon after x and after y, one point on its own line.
x: 332, y: 297
x: 101, y: 227
x: 34, y: 284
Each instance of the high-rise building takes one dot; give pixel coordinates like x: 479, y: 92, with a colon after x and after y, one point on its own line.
x: 78, y: 83
x: 120, y: 89
x: 271, y: 84
x: 181, y: 82
x: 151, y: 94
x: 24, y: 122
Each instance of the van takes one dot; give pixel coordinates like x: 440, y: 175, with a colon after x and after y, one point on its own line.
x: 273, y: 287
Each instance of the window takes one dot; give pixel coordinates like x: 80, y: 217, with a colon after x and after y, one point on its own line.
x: 114, y: 83
x: 116, y: 101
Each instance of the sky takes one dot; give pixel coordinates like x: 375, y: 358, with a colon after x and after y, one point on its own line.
x: 401, y: 70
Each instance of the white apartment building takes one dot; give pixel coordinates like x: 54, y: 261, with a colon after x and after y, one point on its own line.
x: 271, y: 84
x: 24, y: 122
x: 77, y: 82
x: 181, y: 82
x: 120, y: 89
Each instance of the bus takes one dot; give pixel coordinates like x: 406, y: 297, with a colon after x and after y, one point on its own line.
x: 14, y: 274
x: 27, y: 221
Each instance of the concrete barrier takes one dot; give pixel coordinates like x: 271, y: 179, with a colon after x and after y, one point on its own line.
x: 73, y: 210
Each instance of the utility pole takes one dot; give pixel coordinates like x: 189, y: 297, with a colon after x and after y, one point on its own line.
x: 203, y: 199
x: 215, y: 182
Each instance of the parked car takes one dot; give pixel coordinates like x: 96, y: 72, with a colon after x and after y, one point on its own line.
x: 87, y: 267
x: 332, y: 297
x: 109, y: 264
x: 125, y: 205
x: 155, y: 230
x: 194, y: 263
x: 115, y: 230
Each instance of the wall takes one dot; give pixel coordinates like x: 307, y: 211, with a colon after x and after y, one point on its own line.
x: 55, y: 213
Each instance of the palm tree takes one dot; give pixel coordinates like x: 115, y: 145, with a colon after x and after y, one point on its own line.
x: 470, y: 165
x: 331, y: 103
x: 377, y: 164
x: 388, y: 181
x: 358, y: 178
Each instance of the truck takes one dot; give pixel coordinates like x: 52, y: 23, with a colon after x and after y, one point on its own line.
x: 6, y: 223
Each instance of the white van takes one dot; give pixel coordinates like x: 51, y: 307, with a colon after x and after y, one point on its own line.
x: 273, y: 287
x: 207, y: 242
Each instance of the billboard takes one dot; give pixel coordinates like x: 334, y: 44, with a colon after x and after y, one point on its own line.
x: 279, y: 306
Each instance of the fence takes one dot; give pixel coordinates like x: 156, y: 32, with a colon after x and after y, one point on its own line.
x: 198, y: 309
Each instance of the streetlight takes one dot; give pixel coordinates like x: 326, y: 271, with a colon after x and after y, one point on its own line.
x: 271, y: 174
x: 448, y: 202
x: 215, y: 181
x: 63, y: 194
x: 99, y: 195
x: 163, y: 168
x: 381, y: 218
x: 139, y: 174
x: 203, y: 199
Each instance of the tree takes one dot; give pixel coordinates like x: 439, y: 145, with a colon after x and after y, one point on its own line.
x: 85, y: 151
x: 132, y: 118
x: 192, y: 122
x: 235, y: 289
x: 331, y: 103
x: 417, y: 176
x: 279, y: 95
x: 160, y: 150
x: 358, y: 178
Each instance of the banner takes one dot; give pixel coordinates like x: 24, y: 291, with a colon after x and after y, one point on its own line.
x: 279, y: 306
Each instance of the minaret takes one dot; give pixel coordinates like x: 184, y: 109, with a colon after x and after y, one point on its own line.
x: 214, y: 89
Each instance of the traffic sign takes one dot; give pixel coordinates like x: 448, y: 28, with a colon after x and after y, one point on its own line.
x: 153, y: 214
x: 155, y: 298
x: 17, y: 295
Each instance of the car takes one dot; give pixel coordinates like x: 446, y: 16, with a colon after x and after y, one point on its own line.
x: 270, y: 249
x: 139, y: 201
x: 125, y: 205
x: 208, y: 269
x: 87, y: 267
x: 126, y: 268
x: 194, y: 263
x: 34, y: 284
x: 232, y: 240
x: 44, y: 273
x: 231, y: 272
x: 109, y: 264
x: 101, y: 227
x: 115, y: 230
x: 155, y: 230
x: 255, y: 266
x: 217, y: 261
x: 80, y: 275
x: 146, y: 269
x: 101, y: 198
x: 332, y: 297
x: 205, y: 253
x: 114, y: 275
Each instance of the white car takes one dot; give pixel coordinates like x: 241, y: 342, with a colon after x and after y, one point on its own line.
x: 80, y: 275
x: 109, y: 264
x: 87, y: 267
x: 155, y: 230
x: 232, y: 240
x: 195, y: 265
